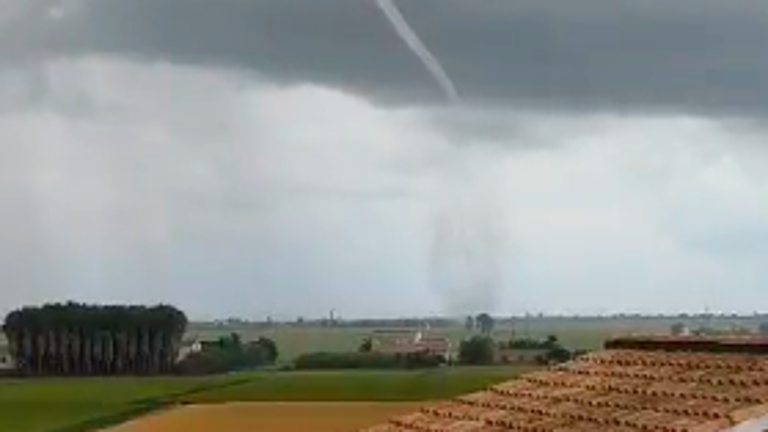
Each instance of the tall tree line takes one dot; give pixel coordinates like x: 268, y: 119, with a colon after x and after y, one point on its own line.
x: 80, y: 339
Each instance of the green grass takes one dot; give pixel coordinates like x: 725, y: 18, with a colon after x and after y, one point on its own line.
x: 87, y: 404
x: 350, y: 386
x: 43, y: 405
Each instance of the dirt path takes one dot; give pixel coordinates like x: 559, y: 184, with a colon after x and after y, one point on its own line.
x: 269, y: 417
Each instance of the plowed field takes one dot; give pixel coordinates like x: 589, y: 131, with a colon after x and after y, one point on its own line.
x: 269, y: 417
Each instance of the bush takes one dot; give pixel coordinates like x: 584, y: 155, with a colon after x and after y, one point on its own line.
x: 531, y: 344
x: 229, y: 354
x: 253, y: 356
x: 202, y: 363
x: 366, y: 345
x: 476, y: 351
x: 326, y: 360
x: 419, y: 360
x: 366, y: 360
x: 558, y: 354
x: 552, y: 341
x: 269, y: 348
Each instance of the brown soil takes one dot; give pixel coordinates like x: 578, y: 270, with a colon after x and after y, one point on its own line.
x: 269, y: 417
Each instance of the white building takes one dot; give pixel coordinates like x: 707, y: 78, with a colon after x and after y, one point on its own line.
x: 189, y: 347
x: 6, y: 361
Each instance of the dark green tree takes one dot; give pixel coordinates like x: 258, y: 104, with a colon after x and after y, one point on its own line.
x: 229, y: 353
x: 269, y: 347
x: 366, y: 345
x: 552, y: 341
x: 469, y: 323
x: 477, y: 350
x: 485, y: 322
x: 78, y: 339
x: 254, y: 355
x: 558, y: 354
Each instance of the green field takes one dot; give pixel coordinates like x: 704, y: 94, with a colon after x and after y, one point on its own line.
x: 351, y: 386
x: 293, y: 341
x: 70, y: 405
x: 28, y: 405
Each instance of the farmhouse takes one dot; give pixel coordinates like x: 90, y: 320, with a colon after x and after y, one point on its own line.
x: 405, y: 342
x: 665, y: 384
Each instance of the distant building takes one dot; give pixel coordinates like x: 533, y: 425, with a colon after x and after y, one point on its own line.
x: 188, y: 347
x: 409, y: 341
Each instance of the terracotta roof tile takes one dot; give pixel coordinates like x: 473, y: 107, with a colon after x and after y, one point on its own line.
x: 614, y: 390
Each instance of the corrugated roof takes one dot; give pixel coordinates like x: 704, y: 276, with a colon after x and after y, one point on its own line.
x: 613, y: 390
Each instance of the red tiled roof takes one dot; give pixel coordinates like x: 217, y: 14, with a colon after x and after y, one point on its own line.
x: 614, y: 390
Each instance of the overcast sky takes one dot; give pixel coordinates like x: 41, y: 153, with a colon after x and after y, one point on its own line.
x: 287, y: 157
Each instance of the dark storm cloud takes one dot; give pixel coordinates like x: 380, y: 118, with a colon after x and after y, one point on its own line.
x: 654, y: 54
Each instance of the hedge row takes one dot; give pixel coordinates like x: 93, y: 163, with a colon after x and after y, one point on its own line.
x: 367, y: 360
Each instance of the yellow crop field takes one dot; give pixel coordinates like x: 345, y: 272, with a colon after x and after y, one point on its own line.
x: 282, y: 417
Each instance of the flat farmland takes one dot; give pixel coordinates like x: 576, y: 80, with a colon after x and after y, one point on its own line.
x: 75, y: 404
x: 90, y: 404
x: 354, y: 386
x: 283, y: 417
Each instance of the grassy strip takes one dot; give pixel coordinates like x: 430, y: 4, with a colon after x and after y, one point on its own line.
x: 84, y: 405
x: 141, y: 407
x: 210, y: 386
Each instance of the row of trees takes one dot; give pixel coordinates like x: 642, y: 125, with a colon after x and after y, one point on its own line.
x: 477, y: 350
x: 80, y: 339
x: 531, y: 343
x: 367, y: 360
